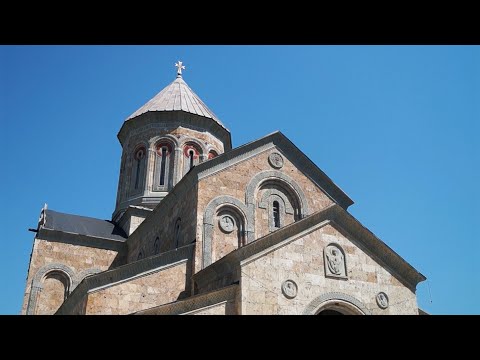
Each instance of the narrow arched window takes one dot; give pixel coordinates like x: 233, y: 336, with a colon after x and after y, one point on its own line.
x: 139, y: 161
x: 212, y: 154
x: 162, y: 166
x: 177, y: 232
x: 276, y: 214
x: 191, y: 154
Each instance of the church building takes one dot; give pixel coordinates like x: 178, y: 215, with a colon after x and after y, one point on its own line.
x: 200, y: 228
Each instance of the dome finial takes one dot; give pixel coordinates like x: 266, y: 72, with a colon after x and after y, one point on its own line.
x: 179, y: 65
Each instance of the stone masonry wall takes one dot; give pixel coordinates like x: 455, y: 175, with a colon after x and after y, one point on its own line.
x: 161, y: 224
x: 140, y: 293
x: 233, y: 181
x: 224, y: 308
x: 149, y: 138
x: 78, y: 258
x: 303, y: 262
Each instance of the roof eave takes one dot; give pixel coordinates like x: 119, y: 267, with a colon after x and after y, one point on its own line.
x: 335, y: 214
x: 225, y: 135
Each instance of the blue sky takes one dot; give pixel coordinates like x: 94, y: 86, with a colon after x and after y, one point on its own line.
x: 396, y: 127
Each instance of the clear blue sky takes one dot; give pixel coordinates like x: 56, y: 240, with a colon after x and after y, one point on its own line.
x: 396, y: 127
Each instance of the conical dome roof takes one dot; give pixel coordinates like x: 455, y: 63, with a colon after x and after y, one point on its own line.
x: 177, y: 96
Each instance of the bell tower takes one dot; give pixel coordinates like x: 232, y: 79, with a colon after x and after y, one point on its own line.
x: 161, y: 142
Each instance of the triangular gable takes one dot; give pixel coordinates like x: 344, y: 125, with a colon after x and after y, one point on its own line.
x: 294, y: 155
x: 333, y: 215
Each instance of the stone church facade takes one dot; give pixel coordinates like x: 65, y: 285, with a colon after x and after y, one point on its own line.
x: 201, y: 228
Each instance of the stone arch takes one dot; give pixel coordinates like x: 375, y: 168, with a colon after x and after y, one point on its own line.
x: 283, y: 181
x: 199, y: 143
x: 212, y: 153
x: 159, y: 138
x: 193, y: 153
x: 37, y: 282
x: 168, y: 166
x: 143, y: 168
x: 83, y: 274
x: 208, y: 222
x: 286, y: 203
x: 140, y: 144
x: 336, y: 301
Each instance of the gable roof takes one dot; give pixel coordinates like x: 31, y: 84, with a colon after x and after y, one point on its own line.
x: 335, y: 215
x: 241, y: 153
x: 294, y: 155
x: 177, y: 96
x: 83, y: 225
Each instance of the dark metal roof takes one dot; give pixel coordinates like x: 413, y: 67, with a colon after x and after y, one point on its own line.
x: 83, y: 225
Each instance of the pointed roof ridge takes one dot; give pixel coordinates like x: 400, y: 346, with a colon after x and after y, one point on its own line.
x: 177, y: 96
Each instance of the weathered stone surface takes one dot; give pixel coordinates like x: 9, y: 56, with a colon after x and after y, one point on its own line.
x: 140, y: 293
x: 287, y: 262
x: 233, y: 181
x: 76, y: 257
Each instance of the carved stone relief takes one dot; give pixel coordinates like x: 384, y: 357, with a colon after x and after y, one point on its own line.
x: 227, y: 223
x: 334, y: 262
x: 275, y: 160
x: 382, y: 300
x: 289, y: 289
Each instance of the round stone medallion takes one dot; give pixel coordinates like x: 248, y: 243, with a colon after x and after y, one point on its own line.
x: 227, y: 223
x: 382, y: 300
x: 275, y: 160
x: 289, y: 289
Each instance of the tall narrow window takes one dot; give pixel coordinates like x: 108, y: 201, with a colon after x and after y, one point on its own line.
x: 162, y: 166
x: 191, y: 154
x: 137, y: 174
x: 276, y: 214
x: 177, y: 232
x: 139, y: 158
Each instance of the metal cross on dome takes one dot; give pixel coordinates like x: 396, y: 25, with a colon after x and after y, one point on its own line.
x: 179, y: 65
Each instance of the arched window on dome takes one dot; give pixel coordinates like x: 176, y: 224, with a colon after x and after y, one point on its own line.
x: 163, y: 166
x: 212, y: 154
x: 191, y: 153
x: 138, y: 176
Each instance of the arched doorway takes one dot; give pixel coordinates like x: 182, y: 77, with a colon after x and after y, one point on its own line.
x: 335, y: 303
x: 338, y: 307
x: 329, y: 312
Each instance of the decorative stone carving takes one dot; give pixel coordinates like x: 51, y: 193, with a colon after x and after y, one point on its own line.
x: 382, y: 300
x: 289, y: 289
x: 334, y: 260
x: 227, y: 223
x: 275, y: 160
